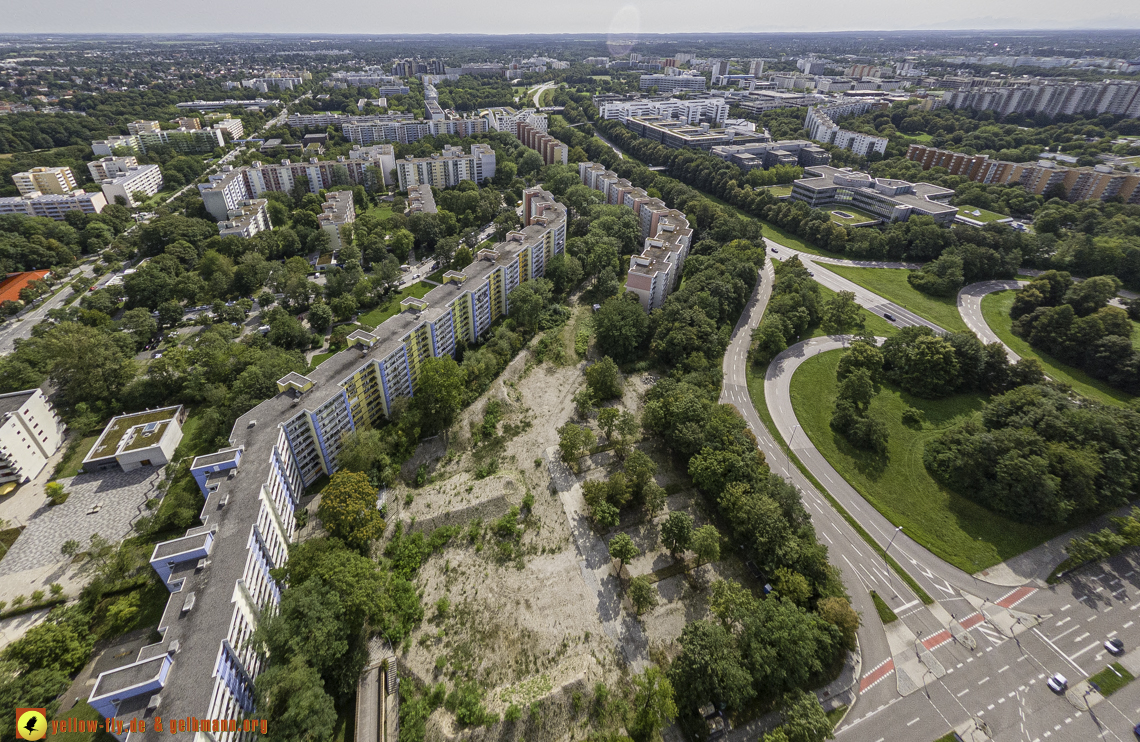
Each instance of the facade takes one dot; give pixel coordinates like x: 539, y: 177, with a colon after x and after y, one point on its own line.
x: 219, y: 573
x: 656, y: 270
x: 30, y: 434
x: 769, y: 154
x: 146, y: 179
x: 140, y: 439
x: 421, y: 200
x: 195, y: 141
x: 1051, y: 98
x: 110, y: 167
x: 406, y: 132
x: 1079, y: 183
x: 822, y: 128
x: 46, y: 180
x: 888, y: 199
x: 336, y: 212
x: 234, y: 127
x: 553, y: 151
x: 448, y: 168
x: 711, y: 110
x: 139, y: 127
x: 679, y: 135
x: 53, y: 206
x: 666, y: 84
x: 508, y: 119
x: 248, y: 219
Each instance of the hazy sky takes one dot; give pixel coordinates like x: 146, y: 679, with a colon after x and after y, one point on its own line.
x: 571, y: 16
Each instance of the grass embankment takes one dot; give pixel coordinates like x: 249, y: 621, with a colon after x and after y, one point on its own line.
x: 891, y: 284
x: 77, y: 450
x: 755, y: 380
x: 995, y: 310
x: 886, y: 615
x: 873, y: 323
x: 1111, y: 679
x: 392, y: 306
x: 897, y: 484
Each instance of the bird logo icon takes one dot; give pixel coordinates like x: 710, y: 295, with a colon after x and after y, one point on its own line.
x: 31, y: 724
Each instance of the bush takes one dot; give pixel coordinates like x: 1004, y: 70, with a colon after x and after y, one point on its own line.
x: 56, y: 493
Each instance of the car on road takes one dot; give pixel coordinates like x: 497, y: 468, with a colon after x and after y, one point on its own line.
x: 1114, y: 646
x: 775, y: 251
x: 1136, y: 730
x: 1057, y: 683
x: 888, y: 317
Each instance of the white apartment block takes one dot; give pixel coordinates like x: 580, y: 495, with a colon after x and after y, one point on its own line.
x: 145, y: 179
x: 447, y: 168
x: 656, y: 270
x: 140, y: 127
x: 508, y: 119
x: 406, y: 132
x: 337, y: 211
x: 234, y: 127
x: 674, y: 83
x: 58, y: 180
x: 183, y: 140
x: 111, y: 167
x: 248, y: 219
x: 712, y: 110
x: 53, y: 205
x: 30, y: 434
x: 224, y: 192
x: 822, y: 128
x: 1121, y: 97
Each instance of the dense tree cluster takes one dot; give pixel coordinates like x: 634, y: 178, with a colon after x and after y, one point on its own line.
x: 1089, y: 238
x: 1074, y: 322
x: 1036, y: 455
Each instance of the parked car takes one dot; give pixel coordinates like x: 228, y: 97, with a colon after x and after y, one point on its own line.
x: 1057, y: 683
x: 1114, y: 646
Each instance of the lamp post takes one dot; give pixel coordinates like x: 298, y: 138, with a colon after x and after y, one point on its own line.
x: 788, y: 455
x: 897, y: 529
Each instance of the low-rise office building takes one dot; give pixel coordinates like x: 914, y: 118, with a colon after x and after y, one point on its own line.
x: 1100, y: 182
x: 653, y: 273
x: 140, y: 439
x: 144, y: 179
x: 219, y: 573
x: 46, y: 180
x: 679, y: 135
x: 888, y: 199
x: 53, y: 205
x: 712, y: 110
x: 447, y: 168
x: 30, y: 434
x: 770, y: 154
x: 251, y: 217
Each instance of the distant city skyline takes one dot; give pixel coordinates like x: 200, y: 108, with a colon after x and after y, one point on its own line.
x: 588, y: 16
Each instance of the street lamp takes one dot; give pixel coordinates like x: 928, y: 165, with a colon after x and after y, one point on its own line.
x: 788, y: 455
x: 897, y: 529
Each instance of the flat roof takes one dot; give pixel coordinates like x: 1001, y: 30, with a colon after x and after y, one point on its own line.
x: 117, y: 429
x: 15, y: 400
x: 128, y: 676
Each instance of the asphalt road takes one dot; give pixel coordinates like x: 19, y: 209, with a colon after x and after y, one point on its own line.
x: 14, y: 330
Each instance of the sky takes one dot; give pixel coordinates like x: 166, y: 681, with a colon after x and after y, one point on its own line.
x: 569, y: 16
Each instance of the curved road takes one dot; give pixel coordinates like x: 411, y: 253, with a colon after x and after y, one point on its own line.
x: 970, y: 307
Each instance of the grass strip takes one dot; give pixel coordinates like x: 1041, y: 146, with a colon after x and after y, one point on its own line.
x: 1111, y: 679
x: 892, y: 285
x: 756, y: 393
x: 886, y: 615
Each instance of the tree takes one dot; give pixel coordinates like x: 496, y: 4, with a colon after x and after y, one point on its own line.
x: 574, y: 441
x: 607, y: 420
x: 709, y: 668
x: 623, y: 549
x: 620, y: 327
x: 604, y: 379
x: 677, y: 532
x: 169, y: 313
x: 51, y: 646
x: 804, y: 719
x: 705, y: 543
x: 653, y: 707
x: 841, y: 313
x: 348, y: 510
x: 920, y: 362
x: 320, y: 317
x: 792, y: 585
x: 642, y: 594
x: 439, y: 393
x: 527, y: 301
x: 639, y: 468
x: 343, y: 307
x: 838, y: 612
x: 652, y: 498
x: 626, y: 433
x: 295, y: 695
x: 140, y: 325
x: 1092, y: 294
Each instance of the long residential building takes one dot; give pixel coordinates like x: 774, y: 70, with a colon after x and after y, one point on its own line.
x: 406, y: 132
x: 224, y: 191
x: 667, y: 84
x: 183, y: 139
x: 447, y: 168
x: 1079, y: 183
x: 712, y: 110
x: 144, y: 179
x: 219, y: 573
x: 654, y: 272
x: 249, y: 218
x: 508, y: 119
x: 30, y: 434
x: 1051, y: 98
x: 888, y: 199
x: 822, y: 128
x: 552, y: 150
x: 57, y: 180
x: 53, y: 205
x: 337, y: 211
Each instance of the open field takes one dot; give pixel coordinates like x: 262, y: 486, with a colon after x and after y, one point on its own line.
x: 995, y: 310
x: 392, y: 306
x: 890, y: 283
x: 380, y: 212
x: 897, y: 484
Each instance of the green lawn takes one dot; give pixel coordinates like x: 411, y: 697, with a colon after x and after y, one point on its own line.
x: 380, y: 212
x: 787, y: 239
x: 886, y: 615
x: 890, y: 283
x: 854, y: 216
x: 73, y: 458
x: 79, y: 711
x: 920, y: 138
x: 780, y: 190
x: 897, y: 484
x: 437, y: 276
x: 1111, y: 679
x: 391, y: 307
x: 995, y: 310
x: 982, y: 215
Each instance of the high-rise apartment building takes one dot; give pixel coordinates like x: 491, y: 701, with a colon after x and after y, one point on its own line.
x: 140, y: 179
x: 249, y: 218
x: 668, y: 84
x: 822, y: 128
x: 1050, y: 98
x: 110, y: 167
x: 552, y: 150
x: 57, y: 180
x: 447, y: 168
x: 336, y: 212
x: 30, y: 434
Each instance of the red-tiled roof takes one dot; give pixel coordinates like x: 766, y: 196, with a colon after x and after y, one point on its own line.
x: 13, y: 283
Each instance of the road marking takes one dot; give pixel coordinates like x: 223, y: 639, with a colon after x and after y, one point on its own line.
x: 913, y: 721
x: 1016, y: 596
x: 1063, y: 621
x: 1066, y: 606
x: 983, y: 681
x: 1078, y: 654
x: 870, y: 679
x: 1069, y: 631
x: 1003, y: 669
x: 963, y: 693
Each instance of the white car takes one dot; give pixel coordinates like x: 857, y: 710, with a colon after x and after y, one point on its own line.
x: 1057, y: 683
